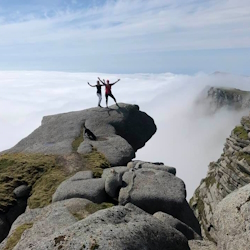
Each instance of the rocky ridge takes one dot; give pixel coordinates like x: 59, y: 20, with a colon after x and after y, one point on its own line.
x: 79, y: 193
x: 216, y: 98
x: 131, y: 224
x: 120, y: 132
x: 229, y: 173
x: 31, y: 171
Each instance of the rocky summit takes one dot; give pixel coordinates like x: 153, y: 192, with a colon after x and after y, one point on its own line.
x: 120, y: 132
x: 215, y: 98
x: 73, y: 184
x: 222, y: 201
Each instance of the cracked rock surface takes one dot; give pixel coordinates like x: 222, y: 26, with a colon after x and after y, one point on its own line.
x: 229, y: 173
x: 232, y: 220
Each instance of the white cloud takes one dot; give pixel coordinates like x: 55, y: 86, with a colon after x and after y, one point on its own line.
x: 186, y: 138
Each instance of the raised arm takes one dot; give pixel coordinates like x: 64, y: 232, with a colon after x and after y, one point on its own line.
x: 115, y: 82
x: 91, y: 85
x: 101, y: 81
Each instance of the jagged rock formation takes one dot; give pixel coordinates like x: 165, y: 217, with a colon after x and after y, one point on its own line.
x: 215, y: 98
x: 31, y: 171
x: 229, y: 173
x: 120, y: 132
x: 138, y: 222
x: 73, y: 203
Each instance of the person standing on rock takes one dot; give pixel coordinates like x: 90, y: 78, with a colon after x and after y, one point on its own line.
x: 99, y: 91
x: 108, y: 90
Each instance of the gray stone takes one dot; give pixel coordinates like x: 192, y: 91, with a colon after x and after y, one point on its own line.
x: 201, y: 245
x: 85, y: 148
x: 22, y: 191
x: 82, y: 175
x: 188, y: 232
x: 91, y: 189
x: 115, y: 228
x: 232, y: 220
x: 155, y: 190
x: 113, y: 183
x: 47, y: 221
x: 120, y: 169
x: 120, y: 132
x: 115, y: 149
x: 156, y: 166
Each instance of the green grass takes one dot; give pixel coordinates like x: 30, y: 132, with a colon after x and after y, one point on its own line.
x: 45, y: 187
x: 241, y: 132
x: 243, y: 155
x: 78, y: 140
x: 210, y: 180
x: 42, y: 173
x: 17, y: 169
x: 96, y: 162
x: 16, y: 236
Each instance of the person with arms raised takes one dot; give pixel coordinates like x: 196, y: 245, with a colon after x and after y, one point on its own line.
x: 108, y: 91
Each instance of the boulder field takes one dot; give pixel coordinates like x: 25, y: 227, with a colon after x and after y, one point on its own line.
x: 147, y: 211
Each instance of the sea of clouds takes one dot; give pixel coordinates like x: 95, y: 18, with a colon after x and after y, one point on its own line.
x: 187, y: 138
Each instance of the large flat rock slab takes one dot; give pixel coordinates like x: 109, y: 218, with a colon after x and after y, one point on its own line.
x: 120, y: 132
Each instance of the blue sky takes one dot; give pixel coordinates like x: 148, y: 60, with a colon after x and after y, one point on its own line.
x: 126, y: 36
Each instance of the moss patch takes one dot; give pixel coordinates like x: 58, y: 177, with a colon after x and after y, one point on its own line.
x: 243, y: 155
x: 96, y: 162
x: 90, y: 209
x: 241, y: 132
x: 210, y: 180
x: 42, y: 173
x: 18, y: 169
x: 93, y: 207
x: 16, y: 236
x: 45, y: 187
x: 78, y: 140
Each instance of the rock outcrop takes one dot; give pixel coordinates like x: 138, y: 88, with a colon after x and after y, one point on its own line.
x: 136, y: 223
x: 229, y: 173
x: 118, y: 227
x: 31, y: 171
x: 216, y: 98
x: 88, y: 194
x: 120, y: 132
x: 232, y: 220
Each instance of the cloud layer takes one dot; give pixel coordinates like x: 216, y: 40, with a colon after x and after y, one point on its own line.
x: 186, y: 138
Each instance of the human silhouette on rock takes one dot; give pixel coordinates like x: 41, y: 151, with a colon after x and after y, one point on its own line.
x: 99, y: 91
x: 108, y: 90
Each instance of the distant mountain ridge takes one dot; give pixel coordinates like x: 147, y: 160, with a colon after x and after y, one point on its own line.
x: 215, y: 98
